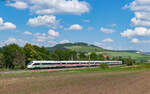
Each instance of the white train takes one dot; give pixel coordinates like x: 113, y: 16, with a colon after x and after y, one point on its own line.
x: 61, y: 64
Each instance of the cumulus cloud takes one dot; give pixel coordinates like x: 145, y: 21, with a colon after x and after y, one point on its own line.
x: 45, y: 20
x: 107, y: 30
x: 108, y: 40
x: 100, y: 44
x: 141, y: 9
x: 135, y: 40
x: 138, y: 31
x: 53, y: 33
x: 140, y: 22
x: 76, y: 7
x: 86, y: 21
x: 27, y: 33
x: 75, y: 27
x: 6, y: 25
x: 11, y: 40
x: 49, y: 36
x: 64, y: 41
x: 40, y: 37
x: 18, y: 5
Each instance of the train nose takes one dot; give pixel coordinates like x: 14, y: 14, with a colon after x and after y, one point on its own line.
x: 29, y: 66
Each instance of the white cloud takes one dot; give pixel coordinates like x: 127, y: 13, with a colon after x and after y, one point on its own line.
x: 141, y: 9
x: 107, y: 40
x: 59, y: 6
x: 14, y: 40
x: 18, y: 5
x: 40, y: 37
x: 86, y: 21
x: 27, y: 33
x: 76, y: 7
x: 100, y: 44
x: 6, y: 25
x: 138, y: 31
x: 45, y: 20
x: 53, y: 33
x: 107, y: 30
x: 45, y: 37
x: 75, y: 27
x: 135, y: 40
x: 140, y: 22
x: 64, y: 41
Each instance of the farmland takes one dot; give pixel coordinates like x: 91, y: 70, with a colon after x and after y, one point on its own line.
x: 114, y: 80
x: 136, y: 56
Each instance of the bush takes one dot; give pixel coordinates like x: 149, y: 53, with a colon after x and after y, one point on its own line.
x: 104, y: 65
x: 128, y: 61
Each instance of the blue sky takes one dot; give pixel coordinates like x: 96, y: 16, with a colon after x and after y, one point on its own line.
x: 118, y: 25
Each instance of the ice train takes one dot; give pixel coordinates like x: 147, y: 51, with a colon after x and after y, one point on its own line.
x: 64, y: 64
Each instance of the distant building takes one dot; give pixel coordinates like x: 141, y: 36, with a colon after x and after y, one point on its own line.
x: 107, y: 57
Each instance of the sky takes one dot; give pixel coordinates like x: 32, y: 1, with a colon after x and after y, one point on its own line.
x: 116, y: 25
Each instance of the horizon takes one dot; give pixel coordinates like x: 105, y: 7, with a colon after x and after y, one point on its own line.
x: 120, y: 25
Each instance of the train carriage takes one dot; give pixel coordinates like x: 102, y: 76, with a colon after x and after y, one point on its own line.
x: 61, y: 64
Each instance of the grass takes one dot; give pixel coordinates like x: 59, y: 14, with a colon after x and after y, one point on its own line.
x: 136, y: 56
x: 84, y: 48
x: 113, y: 80
x: 138, y: 67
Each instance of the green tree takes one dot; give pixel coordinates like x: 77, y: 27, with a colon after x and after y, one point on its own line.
x: 100, y: 57
x: 43, y: 53
x: 58, y: 55
x: 9, y: 54
x: 82, y: 56
x: 1, y: 61
x: 104, y: 65
x: 19, y: 60
x: 64, y: 55
x: 93, y: 56
x: 128, y: 61
x: 31, y: 54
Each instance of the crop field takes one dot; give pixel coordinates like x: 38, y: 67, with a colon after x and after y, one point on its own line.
x: 84, y: 49
x: 77, y: 82
x: 127, y: 54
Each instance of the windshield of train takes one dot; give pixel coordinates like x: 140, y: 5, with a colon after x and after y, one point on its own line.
x: 30, y: 63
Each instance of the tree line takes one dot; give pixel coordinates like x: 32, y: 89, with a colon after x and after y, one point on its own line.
x: 12, y: 56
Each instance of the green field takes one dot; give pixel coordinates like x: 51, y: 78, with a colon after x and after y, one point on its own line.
x: 136, y: 56
x: 84, y: 48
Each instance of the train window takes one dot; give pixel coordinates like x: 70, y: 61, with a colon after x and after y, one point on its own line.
x: 45, y: 63
x: 72, y: 63
x: 50, y: 63
x: 63, y: 63
x: 36, y: 64
x: 30, y: 63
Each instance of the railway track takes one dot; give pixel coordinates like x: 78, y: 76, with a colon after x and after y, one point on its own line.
x: 40, y: 70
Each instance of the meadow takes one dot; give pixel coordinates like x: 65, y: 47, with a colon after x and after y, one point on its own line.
x: 113, y: 80
x: 136, y: 56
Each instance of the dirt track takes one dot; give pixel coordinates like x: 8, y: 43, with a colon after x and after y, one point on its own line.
x: 78, y: 83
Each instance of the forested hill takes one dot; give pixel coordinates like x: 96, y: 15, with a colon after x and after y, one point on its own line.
x: 87, y: 48
x: 78, y: 47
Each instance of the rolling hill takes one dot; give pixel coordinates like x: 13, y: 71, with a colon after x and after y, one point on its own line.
x: 78, y: 47
x: 84, y: 47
